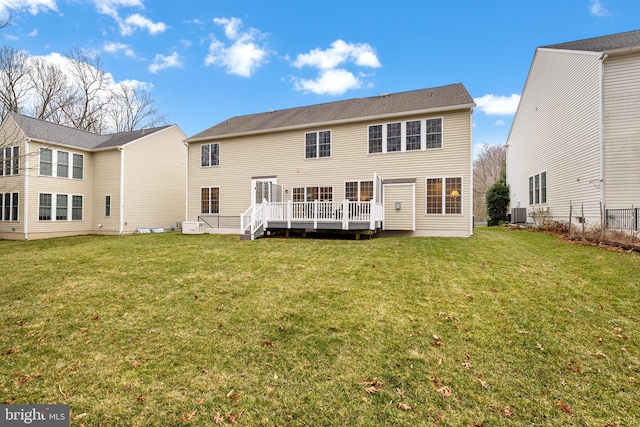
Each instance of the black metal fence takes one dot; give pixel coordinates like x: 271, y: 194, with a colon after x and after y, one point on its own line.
x: 623, y: 219
x: 220, y: 221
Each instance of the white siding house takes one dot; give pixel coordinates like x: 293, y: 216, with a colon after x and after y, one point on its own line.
x: 396, y: 163
x: 575, y: 139
x: 58, y: 181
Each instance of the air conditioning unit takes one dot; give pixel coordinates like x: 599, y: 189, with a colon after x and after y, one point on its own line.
x: 518, y: 215
x: 192, y: 227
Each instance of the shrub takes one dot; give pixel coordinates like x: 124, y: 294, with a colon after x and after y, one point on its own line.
x: 497, y: 200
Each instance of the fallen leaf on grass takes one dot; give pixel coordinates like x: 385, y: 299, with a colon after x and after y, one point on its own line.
x: 624, y: 349
x: 268, y: 343
x: 404, y: 406
x: 507, y: 411
x: 566, y: 408
x: 232, y: 418
x: 135, y: 364
x: 80, y: 416
x: 438, y: 418
x: 140, y: 399
x: 475, y: 424
x: 218, y: 419
x: 483, y: 383
x: 400, y: 392
x: 373, y: 386
x: 539, y: 347
x: 444, y: 391
x: 188, y: 416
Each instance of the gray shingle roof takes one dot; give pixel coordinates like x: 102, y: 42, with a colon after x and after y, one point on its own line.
x: 42, y: 130
x: 602, y: 44
x: 350, y: 109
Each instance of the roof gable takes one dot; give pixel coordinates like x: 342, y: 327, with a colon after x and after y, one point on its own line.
x: 629, y: 39
x: 350, y: 109
x: 42, y: 130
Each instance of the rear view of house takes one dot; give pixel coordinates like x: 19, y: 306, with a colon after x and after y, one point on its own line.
x: 59, y: 181
x: 397, y: 163
x: 575, y: 139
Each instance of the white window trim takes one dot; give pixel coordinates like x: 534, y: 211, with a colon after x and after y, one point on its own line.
x: 444, y: 186
x: 3, y: 204
x: 359, y: 181
x: 539, y: 192
x: 317, y: 132
x: 54, y: 206
x: 110, y: 205
x: 304, y: 187
x: 403, y: 135
x: 219, y: 155
x: 13, y: 156
x: 209, y: 187
x: 54, y: 164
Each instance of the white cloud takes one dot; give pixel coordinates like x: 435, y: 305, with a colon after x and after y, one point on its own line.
x: 132, y: 22
x: 115, y: 47
x: 33, y: 33
x: 499, y: 123
x: 33, y: 6
x: 361, y: 54
x: 139, y: 21
x: 333, y: 78
x: 161, y: 62
x: 597, y: 9
x: 329, y: 82
x: 244, y: 55
x: 495, y: 105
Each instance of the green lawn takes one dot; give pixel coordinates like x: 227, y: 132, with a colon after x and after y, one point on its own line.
x: 506, y: 328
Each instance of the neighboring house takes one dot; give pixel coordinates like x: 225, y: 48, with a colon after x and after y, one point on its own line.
x: 60, y: 181
x: 575, y: 138
x: 397, y: 162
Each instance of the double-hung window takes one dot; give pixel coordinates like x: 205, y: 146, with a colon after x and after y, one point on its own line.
x: 10, y: 160
x: 56, y: 207
x: 78, y: 166
x: 443, y: 196
x: 46, y: 162
x: 412, y: 135
x: 358, y: 191
x: 210, y: 154
x: 210, y: 200
x: 61, y: 164
x: 9, y: 207
x: 538, y: 188
x: 317, y: 144
x: 312, y: 193
x: 107, y: 205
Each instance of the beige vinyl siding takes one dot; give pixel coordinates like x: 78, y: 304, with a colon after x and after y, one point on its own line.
x: 10, y: 135
x: 56, y: 185
x: 622, y: 131
x: 106, y: 175
x: 282, y: 154
x: 556, y: 130
x: 154, y: 180
x: 403, y: 218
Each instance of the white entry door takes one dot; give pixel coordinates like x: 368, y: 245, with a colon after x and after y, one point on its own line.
x: 262, y: 188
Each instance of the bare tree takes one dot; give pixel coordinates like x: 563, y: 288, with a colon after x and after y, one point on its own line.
x: 51, y: 91
x: 14, y: 76
x: 90, y: 95
x: 487, y: 169
x: 132, y: 107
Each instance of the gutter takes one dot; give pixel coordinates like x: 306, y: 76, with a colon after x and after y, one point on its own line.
x: 121, y: 230
x: 332, y: 122
x: 186, y: 205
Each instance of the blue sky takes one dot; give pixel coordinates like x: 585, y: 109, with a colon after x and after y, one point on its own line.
x: 206, y: 61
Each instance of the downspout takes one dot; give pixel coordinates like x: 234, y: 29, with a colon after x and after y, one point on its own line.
x: 601, y: 130
x: 121, y: 149
x: 186, y: 193
x: 471, y: 173
x: 25, y: 214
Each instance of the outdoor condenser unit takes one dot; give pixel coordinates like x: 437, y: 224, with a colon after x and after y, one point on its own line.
x: 192, y: 227
x: 518, y: 215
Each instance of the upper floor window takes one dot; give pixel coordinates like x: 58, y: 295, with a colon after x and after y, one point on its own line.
x: 210, y: 154
x: 56, y: 163
x: 10, y: 160
x: 406, y: 136
x: 317, y: 144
